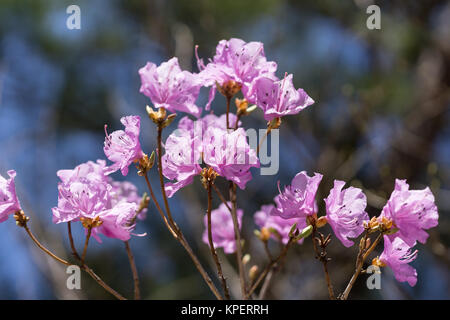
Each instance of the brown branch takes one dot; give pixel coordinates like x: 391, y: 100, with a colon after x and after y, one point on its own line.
x: 322, y: 257
x: 86, y: 242
x: 85, y: 267
x: 362, y: 256
x: 273, y: 265
x: 137, y: 292
x: 237, y: 237
x: 161, y: 213
x: 211, y: 245
x: 221, y: 197
x: 171, y: 225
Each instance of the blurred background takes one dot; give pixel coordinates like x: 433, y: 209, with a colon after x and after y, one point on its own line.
x: 381, y: 112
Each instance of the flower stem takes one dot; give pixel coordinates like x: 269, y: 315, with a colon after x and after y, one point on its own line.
x: 85, y: 267
x: 51, y: 254
x: 86, y: 242
x: 211, y: 245
x: 161, y: 181
x: 171, y: 225
x: 322, y: 256
x: 228, y: 111
x: 362, y: 256
x: 272, y: 266
x: 237, y: 235
x: 268, y: 130
x: 222, y: 198
x: 161, y: 213
x: 137, y: 292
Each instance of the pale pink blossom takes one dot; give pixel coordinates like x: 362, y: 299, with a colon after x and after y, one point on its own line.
x: 171, y: 88
x: 396, y: 255
x: 9, y: 203
x: 346, y: 212
x: 298, y: 199
x: 122, y: 146
x: 222, y: 228
x: 412, y: 211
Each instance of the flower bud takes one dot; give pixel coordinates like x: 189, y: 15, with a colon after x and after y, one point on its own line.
x: 265, y: 234
x: 306, y: 232
x: 253, y: 272
x: 322, y: 221
x: 246, y: 259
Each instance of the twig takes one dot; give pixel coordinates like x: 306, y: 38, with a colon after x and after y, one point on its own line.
x: 171, y: 225
x: 228, y: 98
x: 211, y: 245
x: 86, y: 242
x: 322, y: 256
x: 161, y: 213
x: 221, y: 197
x: 51, y: 254
x: 362, y: 256
x: 268, y: 130
x: 72, y: 244
x: 85, y: 267
x: 237, y: 237
x: 271, y: 266
x: 137, y: 292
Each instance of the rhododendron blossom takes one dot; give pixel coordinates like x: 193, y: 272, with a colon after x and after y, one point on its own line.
x: 222, y: 228
x: 237, y: 61
x: 346, y: 212
x: 122, y: 146
x: 278, y: 98
x: 397, y: 255
x: 264, y: 219
x: 9, y: 203
x: 298, y: 199
x: 128, y: 192
x: 86, y: 192
x: 208, y: 141
x: 171, y: 88
x: 229, y: 154
x: 412, y: 211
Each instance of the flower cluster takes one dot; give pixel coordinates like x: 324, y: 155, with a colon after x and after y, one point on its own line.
x: 217, y: 146
x: 87, y: 194
x: 207, y: 140
x: 404, y: 218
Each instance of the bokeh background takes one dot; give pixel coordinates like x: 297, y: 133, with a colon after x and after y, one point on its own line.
x: 381, y: 112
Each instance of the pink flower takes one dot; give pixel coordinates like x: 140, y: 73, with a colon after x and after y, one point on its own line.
x: 123, y: 147
x: 171, y: 88
x: 396, y: 255
x: 222, y: 228
x: 9, y: 203
x: 86, y: 192
x: 117, y: 222
x: 178, y: 161
x: 265, y: 219
x: 412, y: 211
x: 124, y: 190
x: 278, y: 98
x: 238, y: 61
x: 298, y: 199
x: 346, y: 212
x: 229, y: 154
x: 82, y: 192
